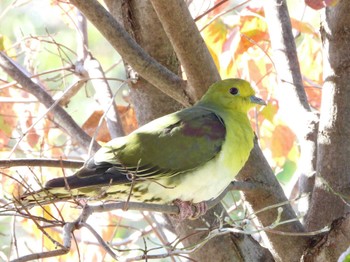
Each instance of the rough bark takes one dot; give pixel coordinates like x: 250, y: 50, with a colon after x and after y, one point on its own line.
x: 141, y: 22
x: 269, y: 194
x: 333, y: 165
x: 324, y: 248
x: 188, y: 45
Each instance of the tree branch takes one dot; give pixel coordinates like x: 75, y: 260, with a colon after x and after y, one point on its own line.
x: 144, y: 64
x: 104, y: 96
x: 338, y: 236
x: 98, y: 80
x: 188, y: 44
x: 302, y: 121
x: 41, y: 162
x: 284, y: 53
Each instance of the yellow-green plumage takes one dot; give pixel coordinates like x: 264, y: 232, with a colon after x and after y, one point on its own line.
x: 190, y: 155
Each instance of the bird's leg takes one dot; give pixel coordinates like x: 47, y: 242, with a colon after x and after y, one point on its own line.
x: 186, y: 210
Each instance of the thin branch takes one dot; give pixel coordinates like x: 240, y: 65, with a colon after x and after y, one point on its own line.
x: 223, y: 13
x: 209, y: 10
x: 104, y: 96
x: 14, y: 83
x: 100, y: 240
x: 285, y: 54
x: 68, y: 228
x: 53, y: 253
x: 41, y: 162
x: 23, y: 78
x: 94, y: 70
x: 82, y: 36
x: 291, y: 91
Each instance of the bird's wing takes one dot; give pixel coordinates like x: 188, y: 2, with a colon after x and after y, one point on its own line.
x: 168, y: 146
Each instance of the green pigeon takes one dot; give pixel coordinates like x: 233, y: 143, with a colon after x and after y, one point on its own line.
x: 185, y: 158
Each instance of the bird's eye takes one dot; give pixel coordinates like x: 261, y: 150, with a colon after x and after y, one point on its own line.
x: 233, y: 90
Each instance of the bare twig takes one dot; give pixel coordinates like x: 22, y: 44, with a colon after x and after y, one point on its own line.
x: 104, y: 96
x: 41, y: 162
x: 100, y: 240
x: 94, y: 70
x: 23, y: 78
x: 209, y: 10
x: 223, y: 13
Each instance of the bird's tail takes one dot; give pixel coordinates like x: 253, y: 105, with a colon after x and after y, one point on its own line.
x: 48, y: 195
x: 87, y: 182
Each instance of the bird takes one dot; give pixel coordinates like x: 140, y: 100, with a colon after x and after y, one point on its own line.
x: 184, y: 158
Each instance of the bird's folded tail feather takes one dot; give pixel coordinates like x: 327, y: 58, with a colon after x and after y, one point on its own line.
x: 92, y: 184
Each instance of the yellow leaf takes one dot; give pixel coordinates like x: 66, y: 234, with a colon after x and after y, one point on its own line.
x: 215, y: 57
x: 269, y: 111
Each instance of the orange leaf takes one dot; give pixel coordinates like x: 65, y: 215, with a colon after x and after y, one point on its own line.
x: 32, y: 137
x: 303, y: 27
x: 92, y: 122
x: 282, y: 141
x: 220, y: 8
x: 253, y: 30
x: 314, y: 96
x: 216, y: 32
x: 319, y: 4
x: 128, y: 117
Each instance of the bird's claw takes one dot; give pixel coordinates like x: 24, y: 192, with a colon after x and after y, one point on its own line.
x: 188, y: 212
x: 201, y: 209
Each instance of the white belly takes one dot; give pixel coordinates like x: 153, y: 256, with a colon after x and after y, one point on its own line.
x: 200, y: 185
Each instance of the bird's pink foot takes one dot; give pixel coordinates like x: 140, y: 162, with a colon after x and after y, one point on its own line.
x: 188, y: 212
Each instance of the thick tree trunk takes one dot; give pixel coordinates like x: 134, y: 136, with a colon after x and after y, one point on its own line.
x: 141, y: 22
x: 333, y: 165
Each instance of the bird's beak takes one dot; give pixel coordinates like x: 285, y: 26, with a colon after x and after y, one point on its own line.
x: 257, y: 100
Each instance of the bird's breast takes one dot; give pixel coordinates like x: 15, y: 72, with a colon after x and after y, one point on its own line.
x: 209, y: 180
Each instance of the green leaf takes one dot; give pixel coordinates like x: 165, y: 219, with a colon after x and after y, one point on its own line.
x: 287, y: 172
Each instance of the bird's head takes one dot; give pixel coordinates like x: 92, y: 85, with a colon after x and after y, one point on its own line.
x: 233, y: 94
